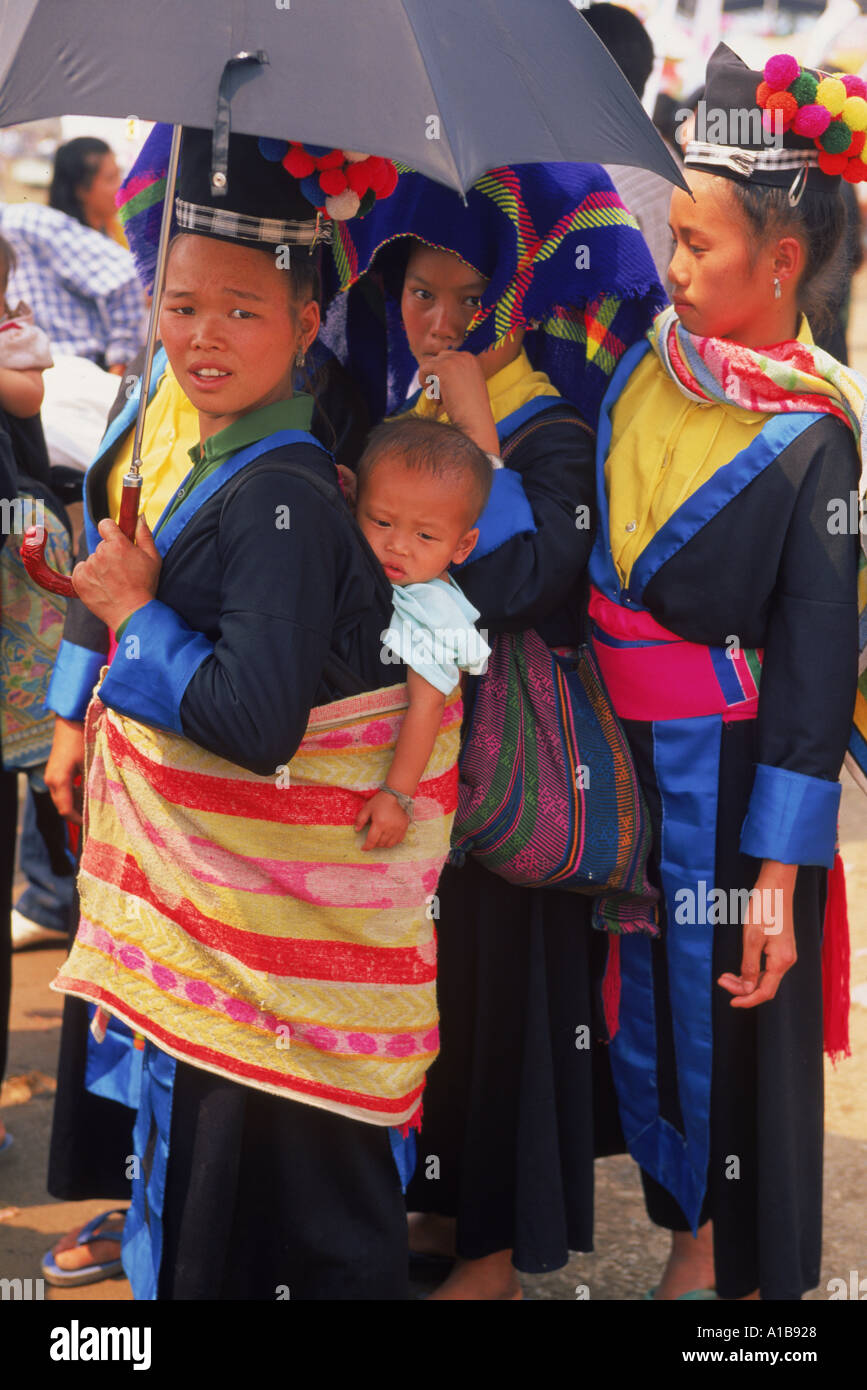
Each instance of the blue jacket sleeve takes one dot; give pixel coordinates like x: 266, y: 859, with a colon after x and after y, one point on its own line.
x: 809, y: 672
x: 531, y: 574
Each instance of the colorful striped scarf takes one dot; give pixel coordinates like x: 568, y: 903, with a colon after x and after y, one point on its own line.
x: 787, y: 377
x: 236, y: 921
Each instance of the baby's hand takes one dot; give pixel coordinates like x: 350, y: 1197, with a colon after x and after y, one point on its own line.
x: 388, y: 821
x: 348, y: 484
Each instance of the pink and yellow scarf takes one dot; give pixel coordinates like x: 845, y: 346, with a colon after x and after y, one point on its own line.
x: 237, y: 922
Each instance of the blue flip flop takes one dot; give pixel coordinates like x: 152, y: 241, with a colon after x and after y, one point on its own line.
x: 90, y: 1274
x: 7, y: 1143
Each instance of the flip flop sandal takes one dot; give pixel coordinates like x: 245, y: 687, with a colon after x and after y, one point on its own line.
x: 90, y: 1274
x: 693, y: 1295
x: 7, y: 1143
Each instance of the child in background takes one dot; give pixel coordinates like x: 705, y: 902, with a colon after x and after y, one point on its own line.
x: 25, y: 351
x: 422, y: 485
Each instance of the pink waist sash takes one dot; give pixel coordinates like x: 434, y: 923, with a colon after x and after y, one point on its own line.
x: 652, y: 673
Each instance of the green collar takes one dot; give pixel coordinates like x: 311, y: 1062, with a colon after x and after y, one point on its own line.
x: 293, y: 414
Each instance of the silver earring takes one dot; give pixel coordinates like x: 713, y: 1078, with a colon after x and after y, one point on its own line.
x: 299, y: 357
x: 778, y: 292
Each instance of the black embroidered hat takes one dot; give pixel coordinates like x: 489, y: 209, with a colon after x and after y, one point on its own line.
x: 785, y: 127
x: 257, y: 201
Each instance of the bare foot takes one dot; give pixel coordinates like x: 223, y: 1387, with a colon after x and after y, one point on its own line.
x: 68, y: 1255
x: 430, y: 1234
x: 492, y: 1278
x: 690, y: 1264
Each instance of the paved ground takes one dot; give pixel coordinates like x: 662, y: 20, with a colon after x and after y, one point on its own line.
x: 630, y: 1252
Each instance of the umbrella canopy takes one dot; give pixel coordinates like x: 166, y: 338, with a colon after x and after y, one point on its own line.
x: 451, y: 89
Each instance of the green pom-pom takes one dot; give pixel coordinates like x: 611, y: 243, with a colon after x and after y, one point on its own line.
x: 837, y: 138
x: 803, y: 89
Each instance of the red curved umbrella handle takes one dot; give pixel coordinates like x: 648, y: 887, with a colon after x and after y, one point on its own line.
x: 33, y: 560
x: 33, y: 543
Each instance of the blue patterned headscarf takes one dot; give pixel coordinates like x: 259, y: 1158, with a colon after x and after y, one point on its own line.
x: 564, y: 260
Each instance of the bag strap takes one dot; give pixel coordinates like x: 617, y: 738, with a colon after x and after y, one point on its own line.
x: 554, y: 416
x: 335, y: 670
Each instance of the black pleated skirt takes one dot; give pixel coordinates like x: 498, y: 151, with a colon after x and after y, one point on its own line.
x: 764, y: 1182
x: 520, y: 1097
x: 270, y: 1199
x: 91, y: 1136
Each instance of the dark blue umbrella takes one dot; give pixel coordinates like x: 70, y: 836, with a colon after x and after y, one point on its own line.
x: 451, y: 87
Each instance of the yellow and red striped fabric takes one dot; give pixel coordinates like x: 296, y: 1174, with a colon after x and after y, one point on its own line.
x: 236, y: 922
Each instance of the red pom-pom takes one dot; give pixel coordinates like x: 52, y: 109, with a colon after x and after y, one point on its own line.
x: 780, y: 71
x: 857, y: 145
x: 358, y: 177
x: 334, y: 159
x: 332, y: 182
x: 855, y: 86
x: 389, y: 182
x: 785, y: 103
x: 378, y: 175
x: 298, y: 163
x: 763, y: 91
x: 855, y: 171
x: 832, y: 164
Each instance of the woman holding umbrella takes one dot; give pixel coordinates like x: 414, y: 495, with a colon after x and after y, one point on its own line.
x: 513, y: 311
x: 259, y: 972
x: 725, y: 620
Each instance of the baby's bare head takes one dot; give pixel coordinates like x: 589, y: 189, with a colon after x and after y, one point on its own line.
x: 438, y: 450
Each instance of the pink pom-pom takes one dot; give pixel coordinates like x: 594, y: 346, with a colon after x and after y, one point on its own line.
x: 855, y: 86
x: 812, y: 121
x: 780, y: 71
x: 342, y: 206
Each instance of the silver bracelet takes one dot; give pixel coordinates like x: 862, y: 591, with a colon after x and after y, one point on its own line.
x: 405, y: 802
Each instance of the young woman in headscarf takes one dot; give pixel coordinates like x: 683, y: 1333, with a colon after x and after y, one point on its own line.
x: 513, y: 312
x: 280, y: 983
x: 725, y: 620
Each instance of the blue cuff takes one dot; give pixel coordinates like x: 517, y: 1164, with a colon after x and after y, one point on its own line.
x: 791, y: 817
x: 507, y: 514
x: 75, y: 673
x: 153, y: 665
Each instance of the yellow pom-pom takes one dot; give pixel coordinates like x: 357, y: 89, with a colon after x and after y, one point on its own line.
x: 831, y: 94
x: 855, y: 113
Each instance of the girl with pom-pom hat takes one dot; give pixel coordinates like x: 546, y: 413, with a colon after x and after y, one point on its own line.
x: 724, y: 615
x: 274, y: 1117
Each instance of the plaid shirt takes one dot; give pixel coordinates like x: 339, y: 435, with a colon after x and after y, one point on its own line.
x: 81, y: 286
